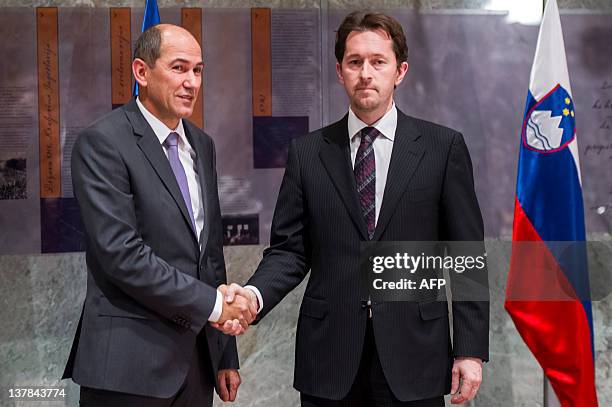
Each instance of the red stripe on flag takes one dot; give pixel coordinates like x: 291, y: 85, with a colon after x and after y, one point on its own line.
x: 534, y: 274
x: 555, y: 330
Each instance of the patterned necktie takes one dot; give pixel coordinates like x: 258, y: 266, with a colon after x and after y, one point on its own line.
x: 171, y: 144
x: 365, y: 177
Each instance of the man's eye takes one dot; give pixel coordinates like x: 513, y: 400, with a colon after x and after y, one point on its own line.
x: 178, y: 68
x: 197, y: 70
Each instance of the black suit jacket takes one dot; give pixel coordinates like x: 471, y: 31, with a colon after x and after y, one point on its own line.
x: 318, y: 226
x: 150, y: 289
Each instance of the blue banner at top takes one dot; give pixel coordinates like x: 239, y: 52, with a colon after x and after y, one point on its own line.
x: 151, y: 18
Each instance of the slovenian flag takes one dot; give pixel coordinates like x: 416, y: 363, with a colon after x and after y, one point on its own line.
x: 547, y: 294
x: 151, y: 18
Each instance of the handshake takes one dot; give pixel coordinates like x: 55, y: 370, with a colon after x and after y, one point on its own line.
x: 240, y: 306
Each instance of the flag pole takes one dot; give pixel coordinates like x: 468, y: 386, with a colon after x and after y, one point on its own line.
x: 550, y: 398
x: 548, y: 393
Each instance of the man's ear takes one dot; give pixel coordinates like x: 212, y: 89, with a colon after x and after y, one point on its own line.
x: 402, y: 70
x: 140, y: 70
x: 339, y: 73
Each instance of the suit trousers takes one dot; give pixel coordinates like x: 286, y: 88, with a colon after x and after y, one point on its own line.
x: 370, y: 388
x: 196, y: 390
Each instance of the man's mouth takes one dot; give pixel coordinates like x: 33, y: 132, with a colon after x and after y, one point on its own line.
x: 186, y: 97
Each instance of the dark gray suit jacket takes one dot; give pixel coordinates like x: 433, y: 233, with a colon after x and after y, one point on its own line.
x: 150, y: 289
x: 317, y: 226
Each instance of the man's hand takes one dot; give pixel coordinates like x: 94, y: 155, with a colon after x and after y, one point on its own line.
x: 467, y: 376
x: 239, y: 309
x: 229, y: 381
x: 235, y: 289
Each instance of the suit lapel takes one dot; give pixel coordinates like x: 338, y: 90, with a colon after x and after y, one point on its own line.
x: 335, y: 155
x: 203, y: 160
x: 405, y: 158
x: 152, y: 149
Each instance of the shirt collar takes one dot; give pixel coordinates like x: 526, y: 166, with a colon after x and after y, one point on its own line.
x: 386, y: 125
x: 159, y: 128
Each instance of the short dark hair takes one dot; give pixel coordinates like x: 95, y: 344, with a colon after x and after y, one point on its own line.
x: 364, y: 20
x: 148, y: 46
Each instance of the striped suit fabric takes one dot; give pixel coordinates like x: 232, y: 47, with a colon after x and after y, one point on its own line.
x: 318, y: 227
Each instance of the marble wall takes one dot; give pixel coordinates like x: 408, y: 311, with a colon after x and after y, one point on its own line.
x: 41, y: 295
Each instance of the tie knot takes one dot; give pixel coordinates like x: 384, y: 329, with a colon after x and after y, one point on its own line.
x: 369, y: 134
x: 172, y: 140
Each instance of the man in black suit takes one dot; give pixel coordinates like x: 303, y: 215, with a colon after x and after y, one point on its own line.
x: 146, y: 185
x: 375, y: 175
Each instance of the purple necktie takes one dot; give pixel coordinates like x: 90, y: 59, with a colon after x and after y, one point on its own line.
x: 365, y: 177
x: 171, y: 144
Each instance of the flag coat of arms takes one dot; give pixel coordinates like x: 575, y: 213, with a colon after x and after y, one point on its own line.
x: 547, y: 293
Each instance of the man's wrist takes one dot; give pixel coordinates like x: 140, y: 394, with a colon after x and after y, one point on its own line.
x: 215, y: 315
x: 472, y: 358
x: 253, y: 290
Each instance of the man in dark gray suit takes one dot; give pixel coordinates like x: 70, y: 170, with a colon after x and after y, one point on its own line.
x: 146, y: 185
x: 375, y: 175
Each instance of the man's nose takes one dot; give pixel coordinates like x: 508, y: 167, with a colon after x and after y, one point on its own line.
x: 366, y: 70
x: 191, y: 80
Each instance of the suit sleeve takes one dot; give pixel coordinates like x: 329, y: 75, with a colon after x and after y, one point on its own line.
x: 229, y: 359
x: 462, y: 222
x: 216, y: 257
x: 102, y: 187
x: 287, y: 261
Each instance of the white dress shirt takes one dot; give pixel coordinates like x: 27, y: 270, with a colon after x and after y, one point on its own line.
x: 187, y: 156
x: 383, y: 147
